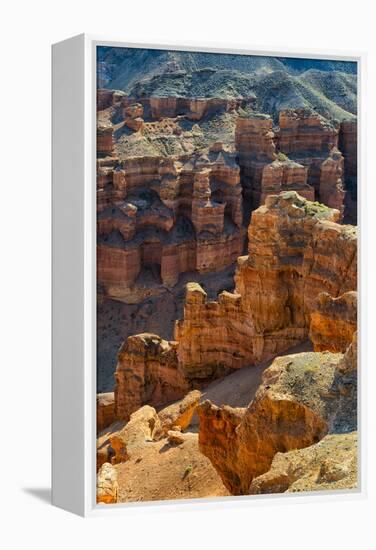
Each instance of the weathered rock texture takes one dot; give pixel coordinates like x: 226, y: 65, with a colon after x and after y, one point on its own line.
x: 333, y: 322
x: 147, y: 372
x: 301, y: 155
x: 177, y: 215
x: 105, y: 410
x: 302, y: 398
x: 296, y: 251
x: 107, y: 485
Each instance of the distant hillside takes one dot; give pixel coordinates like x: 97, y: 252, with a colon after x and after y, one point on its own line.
x: 297, y: 65
x: 329, y: 87
x: 127, y: 65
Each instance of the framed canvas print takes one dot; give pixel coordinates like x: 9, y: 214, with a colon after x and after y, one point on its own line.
x: 205, y: 275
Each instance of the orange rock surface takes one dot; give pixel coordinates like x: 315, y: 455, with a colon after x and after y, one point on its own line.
x: 147, y: 372
x: 333, y: 322
x: 300, y: 400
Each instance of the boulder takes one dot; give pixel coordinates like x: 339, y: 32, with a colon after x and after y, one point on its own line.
x: 107, y: 484
x: 140, y: 429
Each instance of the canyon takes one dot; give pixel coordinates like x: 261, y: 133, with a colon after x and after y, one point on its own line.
x: 227, y: 291
x: 174, y: 198
x: 297, y: 282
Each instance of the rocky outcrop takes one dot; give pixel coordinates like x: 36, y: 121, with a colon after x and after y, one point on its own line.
x: 306, y: 138
x: 255, y: 145
x: 300, y: 400
x: 105, y: 410
x: 329, y: 465
x: 179, y: 414
x: 173, y: 215
x: 147, y: 372
x: 143, y: 425
x: 348, y: 143
x: 333, y: 322
x: 107, y: 485
x: 285, y: 175
x: 296, y: 251
x: 302, y: 130
x: 191, y: 108
x: 313, y: 166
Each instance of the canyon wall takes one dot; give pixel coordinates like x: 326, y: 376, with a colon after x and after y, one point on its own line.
x: 300, y: 154
x: 180, y: 215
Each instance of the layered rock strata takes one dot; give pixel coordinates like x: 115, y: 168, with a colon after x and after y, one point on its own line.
x: 300, y: 154
x: 177, y: 216
x: 147, y: 372
x: 296, y: 251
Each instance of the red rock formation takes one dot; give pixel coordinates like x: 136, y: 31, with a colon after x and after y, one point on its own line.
x: 147, y: 372
x: 182, y: 216
x: 281, y: 176
x: 296, y: 252
x: 333, y: 322
x: 312, y: 141
x: 263, y: 172
x: 191, y: 108
x: 302, y: 130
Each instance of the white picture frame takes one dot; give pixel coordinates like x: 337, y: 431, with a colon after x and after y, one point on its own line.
x: 74, y: 278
